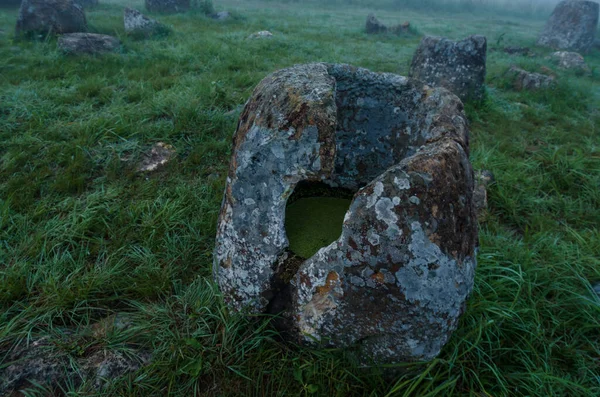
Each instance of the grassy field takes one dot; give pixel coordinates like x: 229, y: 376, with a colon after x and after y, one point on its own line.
x: 83, y: 236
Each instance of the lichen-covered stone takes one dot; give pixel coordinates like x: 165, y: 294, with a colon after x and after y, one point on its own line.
x: 524, y: 80
x: 167, y: 6
x: 50, y: 16
x: 572, y: 26
x: 375, y: 26
x: 395, y: 282
x: 570, y: 61
x: 137, y: 24
x: 459, y: 66
x: 88, y: 43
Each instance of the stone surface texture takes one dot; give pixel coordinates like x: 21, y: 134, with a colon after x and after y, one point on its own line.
x: 570, y: 61
x: 138, y: 24
x: 459, y: 66
x: 167, y: 6
x: 572, y: 26
x: 50, y: 16
x: 395, y: 282
x: 524, y: 80
x: 88, y: 43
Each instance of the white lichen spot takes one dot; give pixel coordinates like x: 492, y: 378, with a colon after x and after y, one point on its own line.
x: 402, y: 183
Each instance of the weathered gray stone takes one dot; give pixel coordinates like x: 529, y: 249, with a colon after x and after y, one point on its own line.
x: 570, y: 61
x: 572, y: 26
x: 88, y: 43
x: 50, y: 16
x: 395, y: 282
x: 375, y: 26
x: 167, y: 6
x: 456, y: 65
x: 137, y: 24
x: 524, y: 80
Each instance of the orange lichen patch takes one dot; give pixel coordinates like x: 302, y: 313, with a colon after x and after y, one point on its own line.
x: 378, y: 277
x: 332, y: 279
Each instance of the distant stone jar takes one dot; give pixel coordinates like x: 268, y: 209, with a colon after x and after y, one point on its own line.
x: 50, y: 16
x: 459, y: 66
x: 168, y: 6
x: 395, y: 282
x: 572, y: 26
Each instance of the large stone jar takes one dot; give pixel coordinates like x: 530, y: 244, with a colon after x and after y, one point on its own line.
x: 395, y: 282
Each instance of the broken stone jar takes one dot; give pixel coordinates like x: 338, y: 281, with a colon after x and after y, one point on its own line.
x: 395, y: 280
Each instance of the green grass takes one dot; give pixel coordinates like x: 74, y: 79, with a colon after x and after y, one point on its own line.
x: 83, y: 236
x: 314, y: 222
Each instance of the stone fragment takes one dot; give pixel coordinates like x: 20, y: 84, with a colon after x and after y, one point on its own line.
x: 524, y: 80
x: 459, y: 66
x: 167, y: 6
x: 88, y: 43
x: 263, y: 34
x: 375, y: 26
x: 159, y: 155
x: 221, y: 16
x: 483, y: 179
x: 42, y: 17
x: 43, y: 362
x: 522, y: 51
x: 395, y: 282
x: 572, y: 26
x: 570, y: 61
x: 137, y: 24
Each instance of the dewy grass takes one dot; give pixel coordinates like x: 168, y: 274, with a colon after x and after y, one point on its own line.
x: 83, y: 236
x: 314, y: 222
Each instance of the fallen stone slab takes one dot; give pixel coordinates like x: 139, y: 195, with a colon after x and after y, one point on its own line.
x: 524, y: 80
x: 167, y: 6
x: 375, y: 26
x: 42, y: 17
x: 42, y: 362
x: 459, y: 66
x: 88, y: 43
x: 139, y: 25
x: 572, y: 26
x: 395, y: 282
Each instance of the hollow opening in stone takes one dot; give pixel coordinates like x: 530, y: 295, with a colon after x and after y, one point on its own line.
x: 314, y: 216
